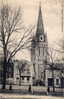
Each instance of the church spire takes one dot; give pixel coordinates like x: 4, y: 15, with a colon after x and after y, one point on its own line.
x: 40, y: 27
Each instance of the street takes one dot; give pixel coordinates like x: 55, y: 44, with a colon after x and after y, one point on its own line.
x: 11, y: 96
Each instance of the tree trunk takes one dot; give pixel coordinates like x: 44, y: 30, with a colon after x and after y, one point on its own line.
x: 53, y: 80
x: 4, y: 74
x: 20, y: 81
x: 20, y: 78
x: 44, y: 77
x: 4, y: 69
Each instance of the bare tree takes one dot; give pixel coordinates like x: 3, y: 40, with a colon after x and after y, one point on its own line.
x: 10, y: 25
x: 51, y: 54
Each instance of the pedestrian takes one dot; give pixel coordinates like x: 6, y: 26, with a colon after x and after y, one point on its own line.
x: 10, y: 87
x: 48, y: 90
x: 29, y: 88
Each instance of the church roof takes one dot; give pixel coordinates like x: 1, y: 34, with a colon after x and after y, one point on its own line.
x: 56, y: 66
x: 40, y: 27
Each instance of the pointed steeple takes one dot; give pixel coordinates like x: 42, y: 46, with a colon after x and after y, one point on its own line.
x: 40, y: 27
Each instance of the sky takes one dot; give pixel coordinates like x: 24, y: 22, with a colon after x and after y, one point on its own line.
x: 51, y: 14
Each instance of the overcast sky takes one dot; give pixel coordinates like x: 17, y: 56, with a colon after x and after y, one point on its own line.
x: 51, y: 13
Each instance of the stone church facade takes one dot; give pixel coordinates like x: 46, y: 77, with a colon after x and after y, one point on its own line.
x: 39, y: 49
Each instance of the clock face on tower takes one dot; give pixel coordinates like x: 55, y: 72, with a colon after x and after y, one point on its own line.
x: 41, y: 38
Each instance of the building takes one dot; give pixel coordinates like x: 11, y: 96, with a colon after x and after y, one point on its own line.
x: 39, y: 49
x: 23, y: 72
x: 56, y: 74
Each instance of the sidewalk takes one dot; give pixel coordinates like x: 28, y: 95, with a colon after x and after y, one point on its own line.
x: 23, y: 90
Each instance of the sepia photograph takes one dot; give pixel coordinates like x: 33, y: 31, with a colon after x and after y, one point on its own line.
x: 31, y: 49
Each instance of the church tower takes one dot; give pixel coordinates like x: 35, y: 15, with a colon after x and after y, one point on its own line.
x: 39, y: 49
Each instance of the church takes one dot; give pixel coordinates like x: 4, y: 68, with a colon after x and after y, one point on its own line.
x: 39, y: 50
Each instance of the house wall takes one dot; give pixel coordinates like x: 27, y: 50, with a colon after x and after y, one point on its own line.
x: 57, y: 77
x: 24, y: 75
x: 48, y: 75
